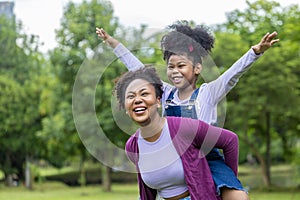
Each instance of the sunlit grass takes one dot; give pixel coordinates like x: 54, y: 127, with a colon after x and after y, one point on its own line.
x: 59, y: 191
x: 49, y: 170
x: 49, y: 190
x: 284, y: 195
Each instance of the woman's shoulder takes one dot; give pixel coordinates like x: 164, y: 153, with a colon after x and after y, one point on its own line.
x: 132, y: 142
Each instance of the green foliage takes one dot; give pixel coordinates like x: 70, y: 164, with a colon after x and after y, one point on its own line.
x: 228, y: 48
x: 21, y: 66
x: 12, y: 111
x: 8, y: 42
x: 263, y: 105
x: 77, y: 38
x: 80, y: 66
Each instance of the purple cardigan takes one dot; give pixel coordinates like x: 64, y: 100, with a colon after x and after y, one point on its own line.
x: 192, y: 140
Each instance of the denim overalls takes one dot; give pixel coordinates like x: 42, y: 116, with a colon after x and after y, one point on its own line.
x: 182, y: 110
x: 222, y: 174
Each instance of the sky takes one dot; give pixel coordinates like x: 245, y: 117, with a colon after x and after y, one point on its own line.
x: 42, y: 17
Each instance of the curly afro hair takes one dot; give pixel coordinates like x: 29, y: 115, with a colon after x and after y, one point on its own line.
x: 147, y: 73
x: 184, y: 40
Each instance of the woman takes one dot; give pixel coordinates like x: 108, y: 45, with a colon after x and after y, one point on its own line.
x: 168, y: 151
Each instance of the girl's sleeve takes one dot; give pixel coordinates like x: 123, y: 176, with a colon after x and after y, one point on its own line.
x: 211, y: 136
x: 225, y: 82
x: 227, y: 141
x: 130, y: 61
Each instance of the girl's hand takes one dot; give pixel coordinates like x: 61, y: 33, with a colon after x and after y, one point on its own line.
x: 112, y: 42
x: 265, y: 43
x: 102, y: 34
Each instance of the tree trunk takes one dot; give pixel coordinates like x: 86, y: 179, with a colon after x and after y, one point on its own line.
x: 268, y: 150
x: 8, y: 180
x: 287, y: 151
x: 82, y: 170
x: 259, y: 157
x: 263, y: 166
x: 28, y: 175
x: 106, y: 178
x: 7, y: 170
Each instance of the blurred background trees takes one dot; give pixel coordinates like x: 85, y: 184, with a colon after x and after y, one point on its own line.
x: 37, y: 122
x: 263, y: 106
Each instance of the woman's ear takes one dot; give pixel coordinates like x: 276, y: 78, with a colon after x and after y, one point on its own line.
x: 198, y: 68
x: 158, y: 102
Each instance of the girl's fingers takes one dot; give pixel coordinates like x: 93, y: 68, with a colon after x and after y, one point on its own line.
x: 101, y: 33
x: 265, y: 37
x: 271, y: 36
x: 274, y: 41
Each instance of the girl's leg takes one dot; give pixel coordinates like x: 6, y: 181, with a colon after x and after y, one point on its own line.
x: 233, y: 194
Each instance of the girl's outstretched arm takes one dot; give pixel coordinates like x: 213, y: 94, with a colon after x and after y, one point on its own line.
x: 111, y: 41
x: 130, y: 61
x: 226, y: 81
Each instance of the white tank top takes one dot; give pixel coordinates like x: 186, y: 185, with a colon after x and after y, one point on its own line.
x: 160, y: 165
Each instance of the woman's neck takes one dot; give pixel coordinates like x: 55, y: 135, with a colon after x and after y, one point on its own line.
x: 152, y: 131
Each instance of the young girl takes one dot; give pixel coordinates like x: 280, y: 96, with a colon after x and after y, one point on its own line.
x: 167, y: 151
x: 183, y: 49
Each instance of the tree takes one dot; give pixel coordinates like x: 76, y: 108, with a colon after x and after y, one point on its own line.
x: 263, y: 105
x: 23, y: 75
x: 77, y: 40
x: 12, y: 98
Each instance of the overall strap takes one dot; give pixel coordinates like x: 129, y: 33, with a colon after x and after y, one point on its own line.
x: 171, y: 95
x: 192, y: 99
x: 194, y: 96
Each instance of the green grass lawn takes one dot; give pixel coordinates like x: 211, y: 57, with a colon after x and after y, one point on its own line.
x: 59, y: 191
x: 283, y: 176
x: 287, y: 195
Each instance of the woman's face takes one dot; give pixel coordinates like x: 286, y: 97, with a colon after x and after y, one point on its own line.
x: 141, y: 102
x: 181, y: 71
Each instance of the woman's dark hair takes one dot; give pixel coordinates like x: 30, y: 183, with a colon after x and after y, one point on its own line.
x: 184, y: 40
x: 146, y: 73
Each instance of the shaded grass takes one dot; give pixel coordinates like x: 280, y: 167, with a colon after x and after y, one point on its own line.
x: 282, y: 176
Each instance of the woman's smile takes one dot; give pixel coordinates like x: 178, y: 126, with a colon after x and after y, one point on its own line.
x: 140, y: 110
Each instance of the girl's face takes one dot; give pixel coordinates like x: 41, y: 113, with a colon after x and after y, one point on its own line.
x: 181, y: 71
x: 141, y: 102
